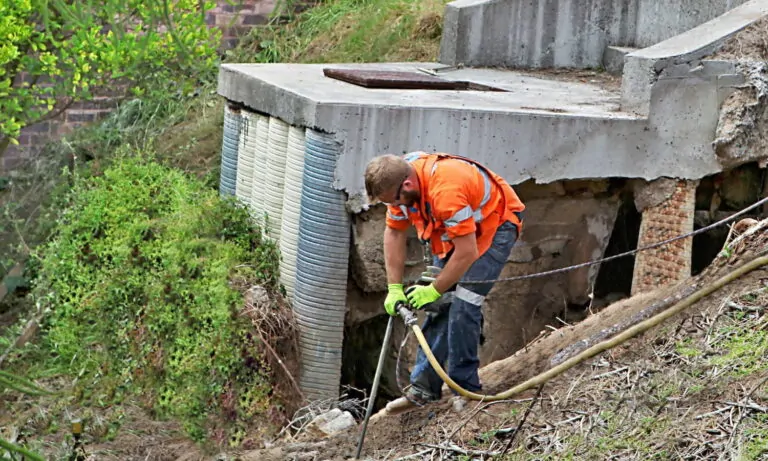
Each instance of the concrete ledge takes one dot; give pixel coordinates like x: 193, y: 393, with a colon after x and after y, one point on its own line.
x: 643, y: 68
x: 541, y: 129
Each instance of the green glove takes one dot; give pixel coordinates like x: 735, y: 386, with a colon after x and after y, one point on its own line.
x: 421, y: 295
x: 394, y: 295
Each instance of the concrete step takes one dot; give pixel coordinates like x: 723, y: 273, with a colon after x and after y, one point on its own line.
x: 613, y: 58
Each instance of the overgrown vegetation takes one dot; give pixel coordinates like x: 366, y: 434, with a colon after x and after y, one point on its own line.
x: 138, y: 267
x: 136, y: 287
x: 351, y: 31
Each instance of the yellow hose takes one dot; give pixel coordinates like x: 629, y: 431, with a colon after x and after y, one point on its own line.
x: 591, y: 351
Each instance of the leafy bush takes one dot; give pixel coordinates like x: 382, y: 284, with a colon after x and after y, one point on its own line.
x: 55, y: 52
x: 139, y: 286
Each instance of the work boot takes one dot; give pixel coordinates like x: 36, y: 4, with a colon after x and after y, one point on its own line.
x: 414, y: 397
x: 419, y: 396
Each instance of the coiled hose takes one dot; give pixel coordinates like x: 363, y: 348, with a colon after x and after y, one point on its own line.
x: 410, y: 321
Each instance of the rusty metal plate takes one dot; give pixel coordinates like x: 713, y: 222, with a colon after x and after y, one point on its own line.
x: 392, y: 79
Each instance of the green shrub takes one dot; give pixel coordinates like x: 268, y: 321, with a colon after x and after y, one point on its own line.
x: 138, y: 281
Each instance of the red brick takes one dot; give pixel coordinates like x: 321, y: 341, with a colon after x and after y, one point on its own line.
x: 11, y: 162
x: 670, y: 263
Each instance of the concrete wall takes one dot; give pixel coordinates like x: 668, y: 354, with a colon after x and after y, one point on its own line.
x: 563, y: 33
x: 658, y: 20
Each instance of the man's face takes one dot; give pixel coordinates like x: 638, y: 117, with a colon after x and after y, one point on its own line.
x: 407, y: 193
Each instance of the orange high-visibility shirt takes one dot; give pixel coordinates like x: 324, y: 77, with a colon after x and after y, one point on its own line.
x: 458, y: 196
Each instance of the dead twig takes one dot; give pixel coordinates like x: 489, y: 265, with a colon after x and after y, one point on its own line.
x: 523, y: 419
x: 459, y: 450
x: 609, y: 373
x: 30, y: 329
x: 282, y: 365
x: 416, y: 455
x: 475, y: 413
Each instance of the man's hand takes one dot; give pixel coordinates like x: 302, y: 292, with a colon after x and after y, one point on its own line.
x: 394, y: 295
x: 420, y: 295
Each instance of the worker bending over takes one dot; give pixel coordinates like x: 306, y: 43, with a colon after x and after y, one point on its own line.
x: 471, y: 217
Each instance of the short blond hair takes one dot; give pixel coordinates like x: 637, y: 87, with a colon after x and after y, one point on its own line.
x: 384, y: 173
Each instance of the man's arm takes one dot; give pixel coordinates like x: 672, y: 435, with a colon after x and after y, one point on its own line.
x: 465, y: 253
x: 394, y: 254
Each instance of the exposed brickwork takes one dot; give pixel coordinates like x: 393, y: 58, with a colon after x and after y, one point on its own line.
x: 670, y: 263
x: 234, y: 17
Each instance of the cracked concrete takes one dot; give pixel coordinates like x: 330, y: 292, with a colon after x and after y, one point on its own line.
x: 741, y: 128
x: 682, y: 55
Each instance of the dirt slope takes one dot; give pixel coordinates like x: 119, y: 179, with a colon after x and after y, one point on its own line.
x: 688, y: 388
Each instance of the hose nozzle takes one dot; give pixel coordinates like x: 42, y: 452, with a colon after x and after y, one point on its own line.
x: 408, y: 317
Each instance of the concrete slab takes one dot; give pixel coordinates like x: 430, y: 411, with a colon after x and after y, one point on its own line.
x: 541, y: 129
x: 523, y: 92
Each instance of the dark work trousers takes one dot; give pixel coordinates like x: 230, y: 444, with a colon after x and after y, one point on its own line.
x: 455, y: 336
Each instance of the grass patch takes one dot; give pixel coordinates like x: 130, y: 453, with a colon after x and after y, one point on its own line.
x: 351, y: 31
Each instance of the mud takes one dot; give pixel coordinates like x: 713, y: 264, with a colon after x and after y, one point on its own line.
x: 750, y: 43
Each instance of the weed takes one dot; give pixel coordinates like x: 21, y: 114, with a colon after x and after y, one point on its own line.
x: 136, y: 288
x: 351, y: 31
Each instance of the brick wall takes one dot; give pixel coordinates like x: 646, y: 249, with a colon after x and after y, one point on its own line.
x: 234, y: 17
x: 670, y: 263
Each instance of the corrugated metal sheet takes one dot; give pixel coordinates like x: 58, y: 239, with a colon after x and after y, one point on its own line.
x: 321, y: 269
x: 245, y: 160
x: 289, y: 227
x: 275, y: 175
x: 229, y: 148
x: 261, y: 145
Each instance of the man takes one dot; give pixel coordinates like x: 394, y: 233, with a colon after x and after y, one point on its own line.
x: 471, y: 218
